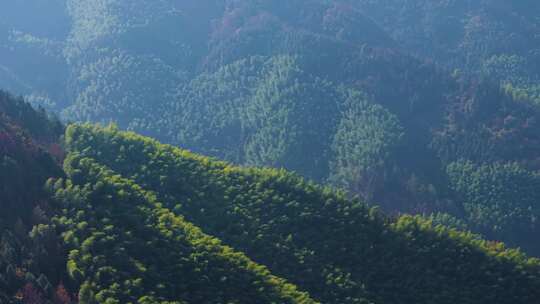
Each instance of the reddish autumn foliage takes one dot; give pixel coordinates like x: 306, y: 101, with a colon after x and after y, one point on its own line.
x: 56, y: 151
x: 31, y: 295
x: 61, y: 296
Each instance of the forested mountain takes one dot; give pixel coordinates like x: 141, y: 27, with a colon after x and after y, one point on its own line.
x: 31, y: 255
x: 127, y: 219
x: 368, y: 96
x: 425, y: 107
x: 496, y: 39
x: 339, y: 251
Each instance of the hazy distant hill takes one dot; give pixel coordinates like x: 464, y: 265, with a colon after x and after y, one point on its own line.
x: 382, y: 99
x: 493, y: 38
x: 128, y: 219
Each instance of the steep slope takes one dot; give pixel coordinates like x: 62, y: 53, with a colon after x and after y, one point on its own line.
x: 126, y: 247
x: 266, y: 87
x: 496, y: 39
x: 391, y: 147
x: 31, y: 258
x: 377, y: 98
x: 131, y: 220
x: 129, y: 63
x: 44, y: 233
x: 339, y: 251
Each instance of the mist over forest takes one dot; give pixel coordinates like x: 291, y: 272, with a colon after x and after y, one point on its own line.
x: 268, y: 151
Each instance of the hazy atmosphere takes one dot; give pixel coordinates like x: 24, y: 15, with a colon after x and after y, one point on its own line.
x: 269, y: 151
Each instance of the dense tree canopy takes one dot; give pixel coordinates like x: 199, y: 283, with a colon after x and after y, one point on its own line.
x: 376, y: 97
x: 130, y: 220
x: 422, y: 107
x: 31, y: 264
x: 339, y: 251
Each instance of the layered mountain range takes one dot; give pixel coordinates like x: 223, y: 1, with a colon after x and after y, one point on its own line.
x: 427, y: 108
x: 97, y: 215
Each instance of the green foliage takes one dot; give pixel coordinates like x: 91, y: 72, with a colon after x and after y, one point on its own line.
x: 500, y: 199
x: 259, y: 111
x: 337, y: 91
x: 527, y: 93
x: 365, y: 142
x: 120, y: 82
x: 333, y: 248
x: 135, y: 249
x: 265, y: 83
x: 474, y: 36
x: 448, y: 220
